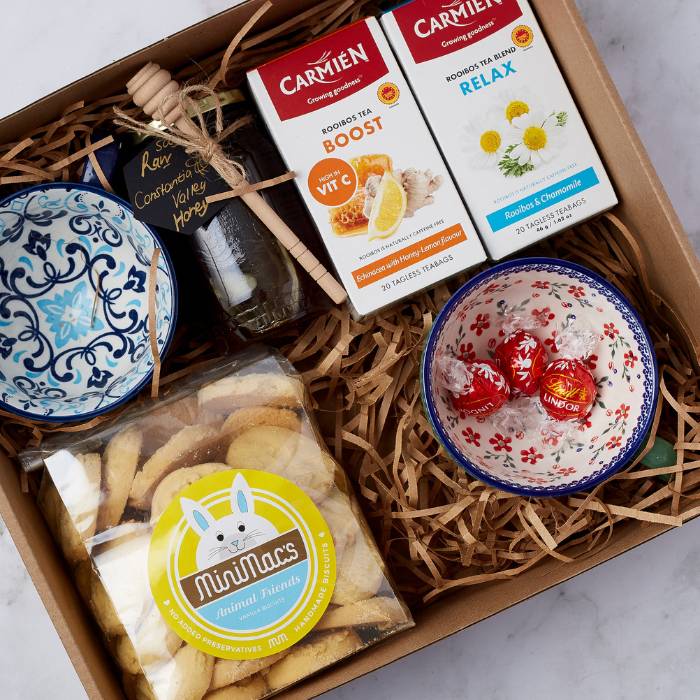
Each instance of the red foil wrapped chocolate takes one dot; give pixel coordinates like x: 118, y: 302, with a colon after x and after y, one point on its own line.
x: 522, y: 358
x: 484, y: 391
x: 567, y: 390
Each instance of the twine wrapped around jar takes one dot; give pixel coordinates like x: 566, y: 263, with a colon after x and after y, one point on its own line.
x: 153, y: 89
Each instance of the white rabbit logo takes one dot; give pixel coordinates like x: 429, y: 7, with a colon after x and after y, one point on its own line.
x: 221, y: 539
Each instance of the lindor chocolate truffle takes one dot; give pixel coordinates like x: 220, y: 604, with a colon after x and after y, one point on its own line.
x: 475, y: 388
x: 521, y: 354
x: 522, y: 358
x: 567, y: 389
x: 503, y: 116
x: 368, y: 169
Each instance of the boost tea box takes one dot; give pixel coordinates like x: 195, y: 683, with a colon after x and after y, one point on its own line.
x: 503, y: 116
x: 368, y: 169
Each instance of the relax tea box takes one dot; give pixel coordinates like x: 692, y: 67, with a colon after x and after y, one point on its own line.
x: 346, y: 123
x: 503, y: 117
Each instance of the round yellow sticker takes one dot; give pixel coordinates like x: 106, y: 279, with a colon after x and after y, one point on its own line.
x: 522, y: 36
x: 241, y: 564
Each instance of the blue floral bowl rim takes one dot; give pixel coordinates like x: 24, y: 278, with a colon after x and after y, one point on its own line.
x: 175, y: 304
x: 426, y: 386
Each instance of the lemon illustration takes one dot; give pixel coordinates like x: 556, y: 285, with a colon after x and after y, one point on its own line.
x: 388, y: 208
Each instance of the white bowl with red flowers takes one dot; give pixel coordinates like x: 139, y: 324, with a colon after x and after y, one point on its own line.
x: 555, y: 294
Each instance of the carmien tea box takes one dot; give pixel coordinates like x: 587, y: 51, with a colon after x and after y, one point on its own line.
x: 674, y: 274
x: 499, y: 108
x: 369, y: 171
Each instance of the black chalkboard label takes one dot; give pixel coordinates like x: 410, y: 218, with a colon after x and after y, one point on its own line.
x: 168, y: 187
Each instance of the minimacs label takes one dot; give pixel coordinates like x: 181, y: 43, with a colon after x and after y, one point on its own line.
x: 241, y: 564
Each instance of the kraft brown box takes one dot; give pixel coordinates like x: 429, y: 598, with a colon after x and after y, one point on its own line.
x: 645, y: 208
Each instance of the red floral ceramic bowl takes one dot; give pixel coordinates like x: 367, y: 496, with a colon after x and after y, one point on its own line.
x: 556, y: 293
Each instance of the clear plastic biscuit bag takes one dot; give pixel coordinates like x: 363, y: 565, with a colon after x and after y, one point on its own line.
x: 215, y: 539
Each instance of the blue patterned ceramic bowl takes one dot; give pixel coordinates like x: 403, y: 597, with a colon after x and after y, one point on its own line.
x: 624, y: 366
x: 74, y: 328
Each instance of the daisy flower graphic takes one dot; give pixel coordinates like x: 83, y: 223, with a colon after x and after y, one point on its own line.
x: 484, y: 139
x: 513, y: 104
x: 515, y: 109
x: 538, y: 138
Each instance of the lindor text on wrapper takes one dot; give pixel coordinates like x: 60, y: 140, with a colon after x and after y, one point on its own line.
x: 367, y: 166
x: 503, y: 117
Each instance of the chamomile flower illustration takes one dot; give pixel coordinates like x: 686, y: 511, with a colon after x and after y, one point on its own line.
x: 534, y: 138
x: 516, y: 108
x: 515, y: 103
x: 484, y: 139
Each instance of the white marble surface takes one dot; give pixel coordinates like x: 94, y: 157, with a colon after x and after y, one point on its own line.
x: 626, y: 629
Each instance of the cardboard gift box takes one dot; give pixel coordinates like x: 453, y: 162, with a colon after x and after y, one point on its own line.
x: 645, y: 208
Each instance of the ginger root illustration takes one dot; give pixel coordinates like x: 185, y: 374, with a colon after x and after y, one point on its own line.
x: 384, y: 198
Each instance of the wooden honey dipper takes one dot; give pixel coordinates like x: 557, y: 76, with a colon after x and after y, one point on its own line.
x: 154, y: 90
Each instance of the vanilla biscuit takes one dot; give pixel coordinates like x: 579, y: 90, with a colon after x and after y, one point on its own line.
x: 159, y: 425
x: 190, y: 445
x: 228, y: 671
x: 380, y: 612
x: 125, y: 655
x: 256, y: 389
x: 93, y: 593
x: 284, y: 452
x: 359, y: 572
x: 103, y: 608
x: 153, y: 640
x: 140, y: 688
x: 244, y: 418
x: 187, y: 676
x: 337, y: 511
x: 48, y: 500
x: 307, y: 658
x: 137, y: 687
x: 72, y: 515
x: 74, y: 549
x: 122, y: 564
x: 172, y: 484
x: 82, y: 575
x: 252, y: 688
x: 60, y: 523
x: 121, y: 457
x: 78, y: 519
